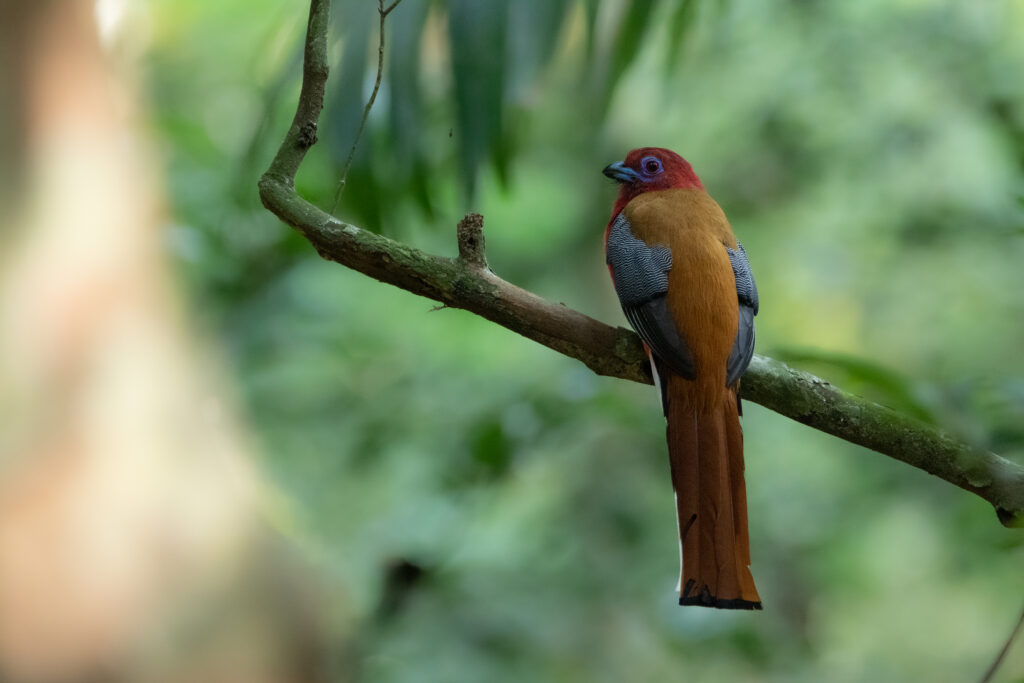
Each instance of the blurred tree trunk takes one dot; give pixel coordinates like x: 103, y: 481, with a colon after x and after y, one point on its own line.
x: 129, y: 501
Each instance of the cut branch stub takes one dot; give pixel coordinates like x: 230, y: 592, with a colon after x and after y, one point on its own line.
x: 471, y: 241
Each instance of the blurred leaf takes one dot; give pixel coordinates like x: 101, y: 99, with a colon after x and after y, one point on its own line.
x: 365, y: 199
x: 987, y: 412
x: 477, y: 41
x: 533, y: 30
x: 492, y: 451
x: 590, y: 11
x: 488, y: 455
x: 1010, y: 116
x: 680, y: 25
x: 629, y: 38
x: 865, y: 377
x: 405, y: 29
x: 626, y: 42
x: 534, y: 27
x: 354, y: 23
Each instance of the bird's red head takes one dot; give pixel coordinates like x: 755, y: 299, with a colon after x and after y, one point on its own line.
x: 648, y: 169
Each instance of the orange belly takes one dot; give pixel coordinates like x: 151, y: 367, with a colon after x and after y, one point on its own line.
x: 702, y: 289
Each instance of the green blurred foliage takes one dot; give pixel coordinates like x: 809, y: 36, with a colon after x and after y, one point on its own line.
x: 870, y: 156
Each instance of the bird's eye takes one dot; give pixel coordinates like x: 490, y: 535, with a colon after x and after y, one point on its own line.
x: 650, y: 165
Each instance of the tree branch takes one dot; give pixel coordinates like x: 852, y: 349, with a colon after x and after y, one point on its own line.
x: 467, y: 283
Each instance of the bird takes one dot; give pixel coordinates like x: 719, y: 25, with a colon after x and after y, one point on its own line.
x: 686, y: 287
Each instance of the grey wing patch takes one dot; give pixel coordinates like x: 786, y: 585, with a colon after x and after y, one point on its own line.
x: 746, y: 288
x: 742, y: 348
x: 640, y: 274
x: 746, y: 294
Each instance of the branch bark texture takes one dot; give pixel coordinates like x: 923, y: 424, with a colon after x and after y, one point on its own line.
x: 467, y: 282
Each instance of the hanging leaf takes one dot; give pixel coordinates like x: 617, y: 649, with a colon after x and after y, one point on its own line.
x: 680, y: 25
x: 590, y: 8
x: 405, y: 104
x: 533, y: 27
x: 627, y: 40
x: 354, y: 22
x: 477, y: 35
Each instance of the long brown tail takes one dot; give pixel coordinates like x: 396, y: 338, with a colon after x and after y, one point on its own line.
x: 705, y: 447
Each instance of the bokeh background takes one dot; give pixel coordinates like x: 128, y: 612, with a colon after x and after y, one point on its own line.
x: 226, y: 459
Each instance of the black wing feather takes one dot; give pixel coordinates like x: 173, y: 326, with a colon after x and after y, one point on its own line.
x: 746, y: 294
x: 655, y: 325
x: 742, y: 349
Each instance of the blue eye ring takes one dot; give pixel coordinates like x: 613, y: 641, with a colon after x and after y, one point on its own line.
x: 651, y: 166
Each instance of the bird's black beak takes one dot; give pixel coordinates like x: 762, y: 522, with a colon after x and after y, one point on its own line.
x: 621, y: 173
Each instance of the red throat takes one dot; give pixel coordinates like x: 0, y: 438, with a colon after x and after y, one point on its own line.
x: 677, y: 174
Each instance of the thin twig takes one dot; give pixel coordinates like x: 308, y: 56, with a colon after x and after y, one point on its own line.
x: 1002, y: 653
x: 369, y: 104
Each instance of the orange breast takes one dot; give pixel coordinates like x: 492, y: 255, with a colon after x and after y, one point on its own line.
x: 702, y: 288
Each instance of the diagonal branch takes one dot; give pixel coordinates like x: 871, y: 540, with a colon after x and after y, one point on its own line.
x: 466, y: 282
